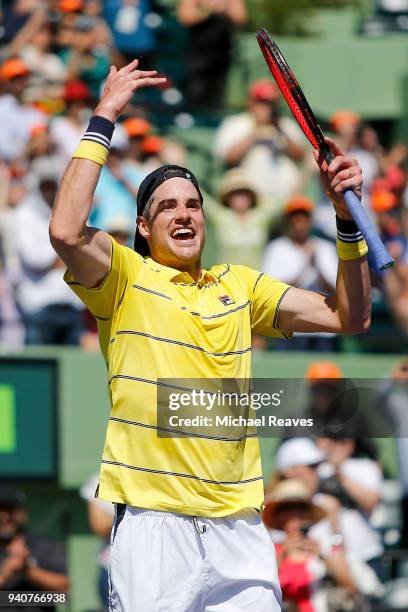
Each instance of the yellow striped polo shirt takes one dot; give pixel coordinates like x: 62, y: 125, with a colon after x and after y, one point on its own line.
x: 155, y: 322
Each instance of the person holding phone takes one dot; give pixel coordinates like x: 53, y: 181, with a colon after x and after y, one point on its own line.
x: 302, y: 562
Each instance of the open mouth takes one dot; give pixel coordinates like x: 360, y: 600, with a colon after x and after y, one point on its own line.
x: 183, y: 233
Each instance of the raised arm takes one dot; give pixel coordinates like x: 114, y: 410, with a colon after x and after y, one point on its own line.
x: 348, y: 311
x: 85, y: 250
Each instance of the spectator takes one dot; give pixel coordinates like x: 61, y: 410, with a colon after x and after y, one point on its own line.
x: 241, y: 219
x: 347, y: 126
x: 137, y: 129
x: 66, y: 131
x: 301, y: 458
x: 15, y: 14
x: 147, y: 151
x: 33, y: 44
x: 11, y: 325
x: 28, y: 562
x: 393, y: 401
x: 118, y: 185
x: 303, y: 562
x: 210, y: 25
x: 266, y: 145
x: 333, y: 405
x: 361, y: 142
x: 51, y: 314
x: 394, y: 281
x: 100, y: 517
x: 304, y: 261
x: 85, y: 57
x: 16, y: 117
x: 356, y: 483
x: 133, y: 34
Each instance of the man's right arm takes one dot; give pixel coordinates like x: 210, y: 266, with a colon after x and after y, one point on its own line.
x: 86, y: 251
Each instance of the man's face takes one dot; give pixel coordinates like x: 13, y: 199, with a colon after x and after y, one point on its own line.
x: 175, y: 229
x: 18, y: 85
x: 9, y: 522
x: 264, y: 111
x: 299, y: 226
x: 306, y: 473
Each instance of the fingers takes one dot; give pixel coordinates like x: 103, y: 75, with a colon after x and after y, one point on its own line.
x: 129, y: 67
x: 345, y: 173
x: 145, y: 73
x: 147, y: 82
x: 350, y: 178
x: 341, y: 162
x: 334, y: 147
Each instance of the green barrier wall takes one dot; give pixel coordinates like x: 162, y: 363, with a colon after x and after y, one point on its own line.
x: 81, y: 410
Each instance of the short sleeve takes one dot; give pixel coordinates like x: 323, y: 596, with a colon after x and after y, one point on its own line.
x: 266, y: 295
x: 104, y: 300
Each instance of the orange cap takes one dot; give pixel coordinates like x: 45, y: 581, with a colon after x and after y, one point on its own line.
x: 70, y: 6
x: 323, y: 369
x: 152, y: 144
x: 342, y: 118
x: 383, y: 201
x: 299, y: 203
x: 135, y: 126
x: 264, y: 89
x: 13, y: 68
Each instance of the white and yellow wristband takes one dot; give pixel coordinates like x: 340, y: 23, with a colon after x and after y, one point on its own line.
x: 95, y: 143
x: 350, y: 240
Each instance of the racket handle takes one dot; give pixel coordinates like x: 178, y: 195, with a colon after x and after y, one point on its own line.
x: 381, y: 257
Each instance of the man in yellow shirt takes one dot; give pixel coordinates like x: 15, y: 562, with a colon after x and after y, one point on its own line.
x: 187, y: 536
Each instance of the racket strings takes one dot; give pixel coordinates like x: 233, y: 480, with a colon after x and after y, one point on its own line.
x: 291, y: 90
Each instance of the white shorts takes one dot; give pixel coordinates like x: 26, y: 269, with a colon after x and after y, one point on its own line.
x: 165, y: 562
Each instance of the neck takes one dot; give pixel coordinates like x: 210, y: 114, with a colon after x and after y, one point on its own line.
x: 193, y: 269
x: 300, y: 241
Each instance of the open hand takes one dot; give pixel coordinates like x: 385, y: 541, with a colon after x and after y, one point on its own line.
x: 341, y: 174
x: 120, y: 87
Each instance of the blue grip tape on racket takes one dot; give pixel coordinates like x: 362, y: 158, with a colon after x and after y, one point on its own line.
x: 381, y: 257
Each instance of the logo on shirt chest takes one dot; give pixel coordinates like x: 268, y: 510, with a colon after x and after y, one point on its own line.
x: 226, y: 300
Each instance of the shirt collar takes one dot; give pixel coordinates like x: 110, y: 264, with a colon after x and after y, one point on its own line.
x: 179, y: 277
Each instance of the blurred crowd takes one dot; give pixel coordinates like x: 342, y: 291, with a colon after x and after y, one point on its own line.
x: 330, y: 509
x: 265, y: 205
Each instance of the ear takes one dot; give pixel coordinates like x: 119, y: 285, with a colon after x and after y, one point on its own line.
x: 143, y: 227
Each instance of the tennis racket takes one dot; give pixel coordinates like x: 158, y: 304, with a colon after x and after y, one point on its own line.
x: 304, y: 115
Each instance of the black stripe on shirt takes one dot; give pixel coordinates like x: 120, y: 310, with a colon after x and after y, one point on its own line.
x: 223, y: 314
x: 182, y: 433
x: 183, y: 344
x: 225, y: 271
x: 181, y: 475
x: 122, y: 296
x: 275, y: 318
x: 257, y: 281
x: 148, y: 382
x: 151, y: 291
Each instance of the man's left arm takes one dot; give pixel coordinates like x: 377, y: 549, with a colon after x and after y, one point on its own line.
x: 348, y: 311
